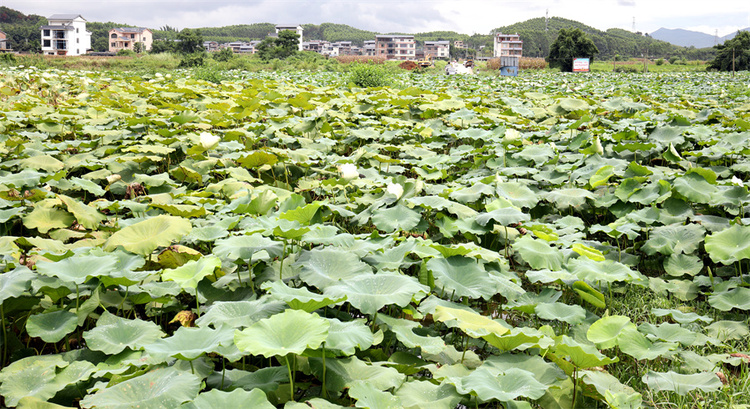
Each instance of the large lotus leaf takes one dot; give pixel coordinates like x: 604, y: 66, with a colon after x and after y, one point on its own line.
x: 113, y: 334
x: 545, y: 372
x: 78, y: 269
x: 396, y: 218
x: 570, y: 197
x: 239, y: 314
x: 189, y: 274
x: 506, y: 385
x: 518, y: 194
x: 680, y: 264
x: 472, y: 323
x: 87, y: 216
x: 695, y: 188
x: 404, y: 330
x: 146, y: 236
x: 504, y: 216
x: 32, y: 376
x: 682, y: 384
x: 639, y: 347
x: 729, y: 245
x: 346, y: 372
x: 371, y: 292
x: 368, y: 396
x: 520, y: 338
x: 299, y: 298
x: 539, y: 154
x: 26, y: 177
x: 736, y: 298
x: 16, y: 282
x: 315, y: 403
x: 290, y: 332
x: 604, y: 331
x: 441, y: 203
x: 32, y: 402
x: 244, y: 247
x: 669, y: 332
x: 675, y: 238
x: 52, y: 326
x: 45, y: 218
x: 266, y: 379
x: 538, y: 253
x: 327, y: 266
x: 603, y: 383
x: 190, y: 343
x: 607, y: 271
x: 463, y: 277
x: 346, y: 336
x: 427, y: 395
x: 238, y: 398
x: 162, y: 388
x: 557, y: 311
x: 473, y: 193
x: 679, y: 316
x: 728, y: 330
x: 581, y: 355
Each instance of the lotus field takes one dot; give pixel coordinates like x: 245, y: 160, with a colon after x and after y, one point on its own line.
x: 284, y: 240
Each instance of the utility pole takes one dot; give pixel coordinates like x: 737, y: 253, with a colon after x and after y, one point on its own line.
x: 546, y: 22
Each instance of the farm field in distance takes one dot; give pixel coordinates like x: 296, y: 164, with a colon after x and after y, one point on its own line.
x: 287, y: 240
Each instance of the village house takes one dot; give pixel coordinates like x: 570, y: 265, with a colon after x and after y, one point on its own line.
x: 368, y: 48
x: 437, y: 49
x: 395, y: 47
x: 459, y: 44
x: 508, y: 45
x: 4, y: 41
x: 65, y: 35
x: 125, y: 38
x: 210, y: 46
x: 292, y: 27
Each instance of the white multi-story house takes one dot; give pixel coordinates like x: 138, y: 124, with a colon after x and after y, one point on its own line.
x: 508, y: 45
x: 292, y: 27
x: 65, y: 35
x: 125, y: 38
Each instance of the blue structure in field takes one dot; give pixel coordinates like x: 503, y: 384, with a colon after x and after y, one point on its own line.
x: 509, y: 66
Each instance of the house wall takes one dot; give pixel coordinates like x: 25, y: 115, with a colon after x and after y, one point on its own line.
x: 507, y: 45
x: 126, y: 39
x: 437, y: 49
x: 395, y: 47
x: 297, y: 29
x: 65, y: 37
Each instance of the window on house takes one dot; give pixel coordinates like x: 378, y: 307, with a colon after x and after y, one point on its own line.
x: 114, y: 45
x: 47, y: 43
x: 132, y: 36
x: 46, y: 33
x: 76, y: 30
x: 113, y: 35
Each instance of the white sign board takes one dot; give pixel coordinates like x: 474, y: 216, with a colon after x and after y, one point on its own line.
x: 581, y: 65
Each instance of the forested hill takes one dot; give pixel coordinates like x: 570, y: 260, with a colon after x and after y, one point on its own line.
x: 615, y: 41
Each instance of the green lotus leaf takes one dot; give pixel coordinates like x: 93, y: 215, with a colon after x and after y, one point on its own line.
x: 581, y: 355
x: 604, y: 331
x: 244, y: 247
x: 189, y: 274
x: 113, y: 334
x: 346, y: 336
x: 189, y: 343
x: 512, y: 383
x: 163, y: 388
x: 302, y: 215
x: 473, y: 193
x: 238, y: 398
x: 472, y: 323
x: 728, y: 330
x: 181, y: 210
x: 545, y: 372
x: 52, y: 326
x: 520, y: 338
x: 15, y: 282
x: 605, y: 383
x: 539, y: 154
x: 265, y: 379
x: 290, y: 332
x: 426, y: 395
x: 682, y: 384
x: 589, y: 294
x: 463, y: 276
x: 669, y: 332
x: 368, y: 396
x: 86, y: 216
x: 18, y: 180
x: 398, y: 217
x: 316, y: 403
x: 146, y: 236
x: 45, y: 219
x: 41, y: 377
x: 676, y: 238
x: 258, y: 159
x: 635, y: 344
x: 557, y: 311
x: 345, y: 372
x: 504, y: 216
x: 518, y: 194
x: 729, y: 245
x: 371, y: 292
x: 679, y: 316
x: 736, y: 298
x: 299, y: 298
x: 538, y: 253
x: 441, y: 203
x: 78, y: 269
x: 238, y: 314
x: 32, y: 402
x: 602, y: 176
x: 571, y: 197
x: 404, y: 330
x: 695, y: 188
x: 681, y: 264
x: 327, y: 266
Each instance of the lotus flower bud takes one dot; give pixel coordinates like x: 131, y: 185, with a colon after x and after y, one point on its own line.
x: 208, y: 140
x: 737, y: 181
x: 395, y: 189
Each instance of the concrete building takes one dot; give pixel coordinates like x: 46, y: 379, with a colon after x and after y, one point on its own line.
x: 292, y: 27
x: 369, y: 48
x: 395, y: 47
x: 4, y: 41
x: 65, y: 35
x: 508, y: 45
x: 125, y: 38
x: 437, y: 49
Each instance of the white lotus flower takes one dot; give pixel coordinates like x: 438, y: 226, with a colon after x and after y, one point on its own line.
x: 737, y: 181
x: 208, y: 140
x: 395, y: 189
x: 349, y: 171
x: 598, y: 146
x: 113, y: 178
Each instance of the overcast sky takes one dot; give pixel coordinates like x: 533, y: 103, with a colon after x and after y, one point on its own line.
x: 406, y: 16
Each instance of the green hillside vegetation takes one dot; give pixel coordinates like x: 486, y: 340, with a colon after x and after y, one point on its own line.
x: 239, y: 32
x: 22, y: 30
x: 611, y: 43
x: 337, y: 32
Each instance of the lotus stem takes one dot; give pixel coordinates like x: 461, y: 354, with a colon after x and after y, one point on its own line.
x: 5, y: 340
x: 291, y: 380
x: 325, y: 392
x: 198, y: 306
x: 223, y: 371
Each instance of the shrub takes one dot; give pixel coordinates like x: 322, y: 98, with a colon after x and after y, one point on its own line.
x: 7, y: 58
x: 626, y: 69
x: 673, y: 60
x: 193, y: 60
x: 660, y: 61
x: 368, y: 75
x: 225, y: 54
x: 210, y: 74
x: 125, y: 53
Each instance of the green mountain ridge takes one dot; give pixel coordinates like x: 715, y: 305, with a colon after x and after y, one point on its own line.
x: 537, y: 35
